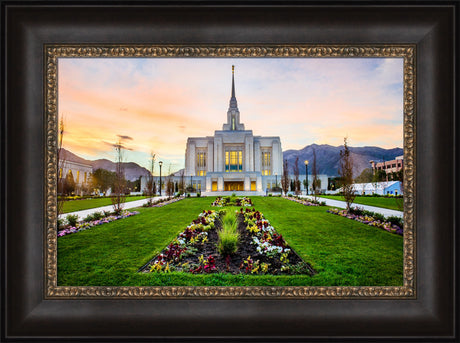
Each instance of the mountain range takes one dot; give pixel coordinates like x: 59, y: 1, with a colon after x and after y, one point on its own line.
x: 327, y: 159
x: 132, y: 170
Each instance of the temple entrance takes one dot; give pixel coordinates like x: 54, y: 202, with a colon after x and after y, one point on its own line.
x: 234, y: 186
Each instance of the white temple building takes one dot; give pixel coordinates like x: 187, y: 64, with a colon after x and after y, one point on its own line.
x: 233, y: 159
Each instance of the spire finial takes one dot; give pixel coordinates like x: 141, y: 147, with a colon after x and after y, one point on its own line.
x: 233, y: 81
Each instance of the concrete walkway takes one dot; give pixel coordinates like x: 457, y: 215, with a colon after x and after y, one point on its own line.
x: 131, y: 204
x: 342, y: 204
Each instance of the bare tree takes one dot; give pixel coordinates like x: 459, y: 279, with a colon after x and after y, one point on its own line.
x: 316, y: 182
x: 296, y: 176
x: 400, y: 201
x: 169, y: 183
x: 285, y: 178
x: 182, y: 182
x: 60, y: 167
x: 118, y: 196
x: 346, y: 172
x: 150, y: 183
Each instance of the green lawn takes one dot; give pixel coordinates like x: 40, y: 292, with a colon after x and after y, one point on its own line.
x: 78, y: 205
x: 390, y: 203
x: 344, y: 252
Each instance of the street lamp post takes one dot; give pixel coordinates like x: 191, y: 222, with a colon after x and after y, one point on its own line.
x: 191, y: 183
x: 276, y: 183
x: 306, y: 175
x: 160, y: 163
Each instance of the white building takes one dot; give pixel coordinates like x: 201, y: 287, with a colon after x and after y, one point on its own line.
x: 380, y: 188
x: 233, y: 160
x: 80, y: 172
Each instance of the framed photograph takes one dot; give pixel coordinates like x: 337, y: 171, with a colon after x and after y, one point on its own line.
x: 147, y: 214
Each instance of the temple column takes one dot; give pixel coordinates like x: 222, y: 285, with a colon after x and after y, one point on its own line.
x: 208, y: 184
x: 259, y: 185
x: 220, y: 183
x: 247, y: 183
x: 257, y: 162
x: 210, y: 157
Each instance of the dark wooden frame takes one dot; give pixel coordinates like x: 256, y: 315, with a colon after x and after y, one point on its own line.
x: 26, y: 27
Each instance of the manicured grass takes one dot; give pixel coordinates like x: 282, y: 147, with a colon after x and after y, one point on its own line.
x: 390, y: 203
x: 344, y: 252
x: 78, y: 205
x: 109, y: 254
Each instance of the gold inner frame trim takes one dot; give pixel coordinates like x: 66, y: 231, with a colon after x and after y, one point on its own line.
x: 56, y: 51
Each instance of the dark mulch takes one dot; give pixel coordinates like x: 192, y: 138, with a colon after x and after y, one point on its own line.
x: 234, y: 264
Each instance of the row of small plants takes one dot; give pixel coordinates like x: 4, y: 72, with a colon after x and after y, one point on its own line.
x: 271, y: 244
x: 162, y: 202
x: 228, y: 235
x: 187, y: 244
x: 306, y: 202
x: 72, y: 225
x: 391, y: 224
x: 374, y: 195
x: 232, y: 201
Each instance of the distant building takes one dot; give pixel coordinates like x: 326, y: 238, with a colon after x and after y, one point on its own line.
x: 323, y: 182
x: 80, y: 172
x: 388, y: 167
x: 380, y: 188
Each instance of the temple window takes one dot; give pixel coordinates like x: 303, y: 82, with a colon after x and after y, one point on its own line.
x: 234, y: 161
x: 266, y: 163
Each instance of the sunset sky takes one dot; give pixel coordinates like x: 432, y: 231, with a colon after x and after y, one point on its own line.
x: 156, y: 103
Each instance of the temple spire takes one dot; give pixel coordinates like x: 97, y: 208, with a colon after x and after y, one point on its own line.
x: 233, y: 102
x: 233, y: 81
x: 233, y: 114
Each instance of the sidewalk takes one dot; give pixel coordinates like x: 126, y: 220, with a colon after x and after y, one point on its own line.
x: 342, y: 204
x: 131, y: 204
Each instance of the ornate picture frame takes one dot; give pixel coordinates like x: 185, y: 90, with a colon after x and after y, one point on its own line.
x: 407, y: 52
x: 35, y: 307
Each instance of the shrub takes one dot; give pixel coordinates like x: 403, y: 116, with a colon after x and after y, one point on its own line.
x: 228, y: 220
x: 98, y: 215
x: 228, y: 235
x: 198, y: 195
x: 395, y: 221
x: 188, y: 195
x: 379, y: 216
x: 60, y: 223
x: 228, y: 242
x: 88, y: 218
x: 359, y: 211
x: 95, y: 216
x: 72, y: 219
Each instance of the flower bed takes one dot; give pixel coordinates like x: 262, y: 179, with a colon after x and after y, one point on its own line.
x: 261, y: 250
x: 162, y: 202
x: 367, y: 218
x: 307, y: 202
x: 84, y: 225
x: 232, y: 201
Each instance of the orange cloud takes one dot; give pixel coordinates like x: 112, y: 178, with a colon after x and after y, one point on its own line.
x: 161, y: 102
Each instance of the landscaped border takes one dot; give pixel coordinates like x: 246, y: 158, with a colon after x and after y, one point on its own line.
x: 54, y: 52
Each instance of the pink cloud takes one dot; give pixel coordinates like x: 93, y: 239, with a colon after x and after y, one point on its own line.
x: 161, y: 102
